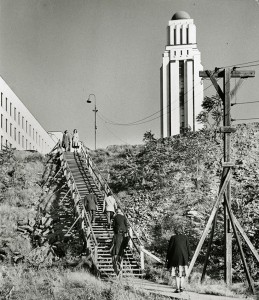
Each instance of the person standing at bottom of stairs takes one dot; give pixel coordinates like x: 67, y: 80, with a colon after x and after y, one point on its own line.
x: 178, y: 255
x: 109, y: 206
x: 91, y: 205
x: 120, y: 240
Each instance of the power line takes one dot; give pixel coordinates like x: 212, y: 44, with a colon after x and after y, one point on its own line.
x: 245, y: 63
x: 247, y: 66
x: 138, y: 122
x: 248, y: 102
x: 112, y: 132
x: 131, y: 124
x: 244, y: 119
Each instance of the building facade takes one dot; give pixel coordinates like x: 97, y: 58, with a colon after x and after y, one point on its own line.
x: 181, y: 86
x: 19, y: 129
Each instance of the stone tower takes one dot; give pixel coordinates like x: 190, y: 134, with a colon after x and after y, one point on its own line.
x: 181, y: 86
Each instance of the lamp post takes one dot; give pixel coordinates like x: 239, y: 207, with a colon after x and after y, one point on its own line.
x: 95, y: 111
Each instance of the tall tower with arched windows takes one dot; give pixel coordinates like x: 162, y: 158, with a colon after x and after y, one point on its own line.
x: 181, y: 86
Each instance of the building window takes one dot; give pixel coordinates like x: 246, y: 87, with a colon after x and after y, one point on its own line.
x: 19, y: 118
x: 19, y: 138
x: 30, y: 129
x: 6, y: 125
x: 14, y: 113
x: 33, y: 133
x: 10, y: 109
x: 14, y: 132
x: 22, y: 122
x: 23, y: 141
x: 11, y: 129
x: 26, y: 126
x: 2, y: 142
x: 26, y: 144
x: 2, y: 121
x: 1, y: 106
x: 6, y: 104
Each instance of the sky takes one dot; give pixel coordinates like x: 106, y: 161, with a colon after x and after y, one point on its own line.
x: 55, y: 53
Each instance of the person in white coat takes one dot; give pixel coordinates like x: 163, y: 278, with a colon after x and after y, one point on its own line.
x: 75, y: 141
x: 109, y: 206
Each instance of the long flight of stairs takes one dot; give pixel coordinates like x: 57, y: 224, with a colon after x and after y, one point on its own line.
x: 85, y: 184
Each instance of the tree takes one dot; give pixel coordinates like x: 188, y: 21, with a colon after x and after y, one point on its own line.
x: 211, y: 115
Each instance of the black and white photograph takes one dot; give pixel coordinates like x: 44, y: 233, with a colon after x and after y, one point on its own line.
x: 129, y: 149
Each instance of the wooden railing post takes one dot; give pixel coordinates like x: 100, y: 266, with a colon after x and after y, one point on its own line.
x: 130, y: 241
x: 95, y: 254
x: 142, y: 262
x: 83, y: 220
x: 88, y: 237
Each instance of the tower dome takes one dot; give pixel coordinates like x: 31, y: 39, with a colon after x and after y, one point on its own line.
x: 180, y: 15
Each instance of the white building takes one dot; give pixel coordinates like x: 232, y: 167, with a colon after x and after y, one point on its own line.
x: 181, y: 86
x: 19, y: 129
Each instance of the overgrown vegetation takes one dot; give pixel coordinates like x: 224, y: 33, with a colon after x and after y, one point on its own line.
x: 24, y: 180
x: 164, y: 182
x: 49, y: 284
x: 160, y: 183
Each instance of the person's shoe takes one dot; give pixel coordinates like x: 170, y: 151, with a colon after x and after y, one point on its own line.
x: 181, y: 290
x: 177, y: 291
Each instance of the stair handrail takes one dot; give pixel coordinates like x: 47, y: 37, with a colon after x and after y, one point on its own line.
x: 107, y: 188
x: 78, y: 198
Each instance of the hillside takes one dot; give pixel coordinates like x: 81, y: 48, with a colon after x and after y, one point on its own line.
x: 177, y: 179
x: 20, y: 185
x: 27, y: 184
x: 160, y: 183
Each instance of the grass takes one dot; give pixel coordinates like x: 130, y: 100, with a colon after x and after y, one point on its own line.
x: 19, y: 282
x: 209, y: 286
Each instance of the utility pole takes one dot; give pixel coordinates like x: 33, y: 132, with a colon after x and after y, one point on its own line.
x: 230, y: 222
x: 227, y: 196
x: 95, y: 110
x: 95, y: 125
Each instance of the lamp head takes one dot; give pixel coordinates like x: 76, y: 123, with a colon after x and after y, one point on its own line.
x: 88, y: 101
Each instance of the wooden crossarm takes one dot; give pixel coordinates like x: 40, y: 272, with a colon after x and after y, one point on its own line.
x: 234, y: 74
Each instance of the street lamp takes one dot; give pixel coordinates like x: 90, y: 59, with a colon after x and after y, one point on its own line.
x: 95, y: 111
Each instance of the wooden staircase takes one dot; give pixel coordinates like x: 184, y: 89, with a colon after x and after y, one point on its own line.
x: 85, y: 183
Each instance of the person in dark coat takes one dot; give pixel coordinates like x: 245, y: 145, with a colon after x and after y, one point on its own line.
x: 177, y: 258
x: 66, y: 141
x: 90, y: 203
x: 120, y: 240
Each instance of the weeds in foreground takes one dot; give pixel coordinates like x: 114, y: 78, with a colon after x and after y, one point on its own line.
x: 209, y: 285
x: 20, y: 282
